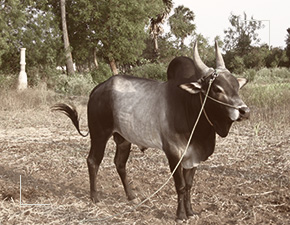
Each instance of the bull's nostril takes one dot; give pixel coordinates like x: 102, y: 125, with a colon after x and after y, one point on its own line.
x: 244, y: 111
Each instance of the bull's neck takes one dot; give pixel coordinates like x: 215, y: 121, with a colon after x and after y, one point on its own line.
x: 184, y: 109
x: 193, y: 108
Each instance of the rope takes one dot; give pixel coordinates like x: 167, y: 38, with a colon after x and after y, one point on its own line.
x: 206, y: 116
x: 223, y: 103
x: 171, y: 175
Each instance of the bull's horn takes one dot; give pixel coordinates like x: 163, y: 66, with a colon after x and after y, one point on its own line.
x: 197, y: 60
x: 220, y: 64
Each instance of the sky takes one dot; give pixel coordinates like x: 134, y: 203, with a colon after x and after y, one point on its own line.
x: 212, y: 17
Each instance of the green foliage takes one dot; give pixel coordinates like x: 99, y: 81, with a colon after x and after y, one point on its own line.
x: 115, y: 27
x: 118, y: 30
x: 288, y: 46
x: 205, y: 49
x: 12, y: 19
x: 234, y: 63
x: 181, y: 23
x: 267, y: 76
x: 268, y: 96
x: 268, y: 93
x: 242, y: 34
x: 249, y: 74
x: 101, y: 74
x: 25, y: 24
x: 77, y: 84
x: 255, y: 58
x: 276, y: 57
x: 7, y: 81
x: 151, y: 70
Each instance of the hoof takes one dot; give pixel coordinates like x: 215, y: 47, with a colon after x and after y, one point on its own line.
x: 180, y: 221
x: 94, y: 198
x: 135, y: 201
x: 193, y: 217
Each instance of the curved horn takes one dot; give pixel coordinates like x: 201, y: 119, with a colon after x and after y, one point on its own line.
x: 220, y: 64
x: 197, y: 60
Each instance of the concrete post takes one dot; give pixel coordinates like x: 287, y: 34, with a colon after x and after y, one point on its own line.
x: 22, y: 79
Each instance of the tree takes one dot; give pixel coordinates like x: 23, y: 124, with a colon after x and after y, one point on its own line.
x: 205, y: 49
x: 181, y: 23
x: 155, y: 24
x: 69, y: 60
x: 242, y: 34
x: 11, y: 17
x: 115, y: 27
x: 31, y: 25
x: 288, y: 46
x: 276, y: 58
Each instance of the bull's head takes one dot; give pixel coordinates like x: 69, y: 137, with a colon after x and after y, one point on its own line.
x: 224, y: 105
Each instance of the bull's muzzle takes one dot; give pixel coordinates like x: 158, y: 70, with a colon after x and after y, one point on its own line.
x: 244, y: 113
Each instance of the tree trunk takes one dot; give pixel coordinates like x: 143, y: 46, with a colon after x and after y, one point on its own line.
x: 113, y: 67
x: 155, y: 39
x: 95, y: 58
x: 69, y: 60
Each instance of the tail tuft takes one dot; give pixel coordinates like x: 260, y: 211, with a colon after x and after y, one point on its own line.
x: 71, y: 112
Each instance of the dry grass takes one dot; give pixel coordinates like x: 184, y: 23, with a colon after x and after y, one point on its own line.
x: 246, y: 180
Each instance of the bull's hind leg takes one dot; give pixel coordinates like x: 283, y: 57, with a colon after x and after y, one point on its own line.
x: 94, y: 160
x: 121, y: 157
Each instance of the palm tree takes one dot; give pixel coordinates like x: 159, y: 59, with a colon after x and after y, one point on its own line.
x: 155, y: 24
x: 181, y: 23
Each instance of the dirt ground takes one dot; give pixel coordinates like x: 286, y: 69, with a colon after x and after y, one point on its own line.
x: 245, y: 181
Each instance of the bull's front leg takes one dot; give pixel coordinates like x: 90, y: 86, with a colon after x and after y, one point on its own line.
x: 181, y: 214
x: 179, y: 185
x: 188, y: 177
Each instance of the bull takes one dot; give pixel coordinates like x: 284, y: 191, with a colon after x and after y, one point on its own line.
x: 154, y: 114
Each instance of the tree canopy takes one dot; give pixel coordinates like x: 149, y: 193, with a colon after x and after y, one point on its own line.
x: 181, y: 23
x: 242, y: 34
x: 117, y: 33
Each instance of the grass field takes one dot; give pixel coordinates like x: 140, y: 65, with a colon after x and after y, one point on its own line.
x: 245, y: 181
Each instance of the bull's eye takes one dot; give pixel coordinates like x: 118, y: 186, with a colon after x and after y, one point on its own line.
x: 218, y: 89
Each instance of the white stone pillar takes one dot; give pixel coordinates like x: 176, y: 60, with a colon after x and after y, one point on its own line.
x: 22, y: 79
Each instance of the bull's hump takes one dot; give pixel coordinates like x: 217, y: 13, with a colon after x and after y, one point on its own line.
x: 122, y: 84
x: 181, y: 68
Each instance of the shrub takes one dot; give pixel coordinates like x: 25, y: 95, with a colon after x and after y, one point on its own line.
x: 7, y: 81
x: 272, y: 75
x: 249, y: 74
x: 151, y: 70
x: 77, y: 84
x: 102, y: 73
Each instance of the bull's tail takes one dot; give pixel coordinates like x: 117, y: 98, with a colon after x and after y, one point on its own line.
x: 71, y: 112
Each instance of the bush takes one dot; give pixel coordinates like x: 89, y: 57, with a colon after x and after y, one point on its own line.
x: 7, y: 81
x: 249, y: 74
x: 153, y: 71
x: 76, y: 84
x: 273, y: 75
x: 102, y: 73
x: 266, y: 75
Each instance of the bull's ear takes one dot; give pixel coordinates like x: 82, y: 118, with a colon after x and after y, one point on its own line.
x: 242, y: 82
x: 192, y: 88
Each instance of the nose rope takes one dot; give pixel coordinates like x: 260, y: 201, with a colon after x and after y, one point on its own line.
x: 215, y: 100
x: 204, y: 112
x: 223, y: 103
